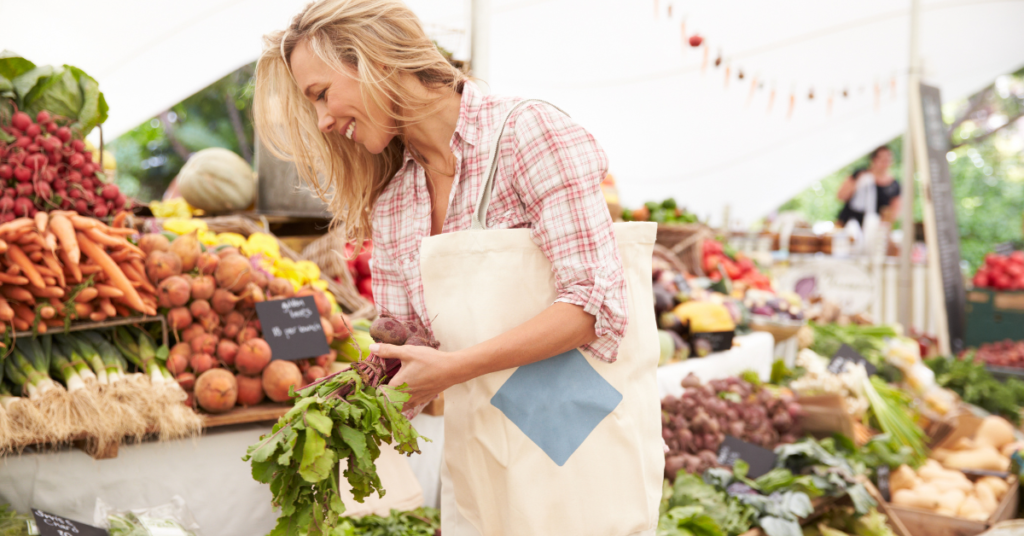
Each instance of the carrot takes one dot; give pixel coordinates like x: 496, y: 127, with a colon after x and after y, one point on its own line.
x: 23, y: 312
x: 107, y: 291
x: 138, y: 277
x: 49, y: 280
x: 89, y: 269
x: 14, y: 270
x: 9, y: 279
x: 3, y: 246
x: 121, y: 255
x: 47, y: 312
x: 122, y: 310
x: 21, y: 325
x: 30, y: 247
x: 98, y: 316
x: 82, y: 223
x: 35, y: 256
x: 3, y: 329
x: 41, y: 219
x: 6, y: 313
x: 65, y: 231
x: 51, y: 241
x: 44, y: 271
x: 83, y: 310
x: 18, y: 294
x: 17, y: 256
x: 71, y: 268
x: 87, y: 295
x: 48, y: 292
x: 53, y: 322
x: 51, y: 262
x: 113, y: 271
x: 113, y: 241
x: 107, y: 307
x: 119, y: 219
x: 27, y: 238
x: 15, y: 225
x: 18, y: 234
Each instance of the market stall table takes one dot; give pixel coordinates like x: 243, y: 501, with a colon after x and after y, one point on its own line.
x: 207, y: 472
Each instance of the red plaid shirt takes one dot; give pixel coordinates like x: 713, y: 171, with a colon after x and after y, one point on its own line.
x: 548, y: 180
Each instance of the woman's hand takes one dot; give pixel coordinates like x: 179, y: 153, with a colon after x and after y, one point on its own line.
x: 427, y: 371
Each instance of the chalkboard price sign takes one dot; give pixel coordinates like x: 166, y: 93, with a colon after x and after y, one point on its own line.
x: 51, y: 525
x: 845, y: 355
x: 882, y: 476
x: 760, y: 460
x: 948, y: 233
x: 292, y: 328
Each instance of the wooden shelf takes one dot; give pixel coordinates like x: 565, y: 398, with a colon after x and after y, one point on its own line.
x: 246, y: 415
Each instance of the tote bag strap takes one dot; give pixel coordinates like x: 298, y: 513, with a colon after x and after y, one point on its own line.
x: 480, y: 216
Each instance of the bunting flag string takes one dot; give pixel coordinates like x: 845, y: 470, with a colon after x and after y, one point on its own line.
x: 695, y: 40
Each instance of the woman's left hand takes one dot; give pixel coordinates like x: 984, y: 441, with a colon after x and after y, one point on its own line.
x: 427, y: 371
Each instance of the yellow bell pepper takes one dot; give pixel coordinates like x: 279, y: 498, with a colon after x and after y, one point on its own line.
x: 261, y: 243
x: 182, y: 226
x: 208, y: 238
x: 174, y: 208
x: 231, y: 239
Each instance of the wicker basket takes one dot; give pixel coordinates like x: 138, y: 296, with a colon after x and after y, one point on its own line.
x: 685, y: 240
x: 345, y: 292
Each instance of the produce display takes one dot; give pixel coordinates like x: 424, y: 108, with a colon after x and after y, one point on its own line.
x: 940, y: 486
x: 695, y: 424
x: 81, y: 384
x: 975, y: 384
x: 220, y: 357
x: 724, y: 263
x: 665, y: 212
x: 342, y: 416
x: 45, y: 114
x: 1001, y: 354
x: 1001, y: 272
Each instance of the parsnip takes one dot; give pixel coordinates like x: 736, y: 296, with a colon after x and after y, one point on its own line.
x: 949, y: 502
x: 998, y: 486
x: 971, y: 509
x: 994, y: 432
x: 985, y: 458
x: 914, y: 499
x: 987, y: 499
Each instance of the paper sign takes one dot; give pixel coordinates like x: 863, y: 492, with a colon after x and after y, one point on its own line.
x: 51, y: 525
x: 292, y: 328
x: 760, y: 460
x: 845, y: 355
x: 882, y: 476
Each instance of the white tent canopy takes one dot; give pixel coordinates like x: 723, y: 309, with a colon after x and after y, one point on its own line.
x: 619, y: 67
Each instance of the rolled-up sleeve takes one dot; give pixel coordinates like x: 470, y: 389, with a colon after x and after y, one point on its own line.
x: 558, y: 168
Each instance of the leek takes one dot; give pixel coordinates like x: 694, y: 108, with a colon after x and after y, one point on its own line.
x: 89, y: 354
x: 24, y: 373
x: 76, y: 360
x: 66, y: 370
x: 111, y: 356
x: 142, y: 353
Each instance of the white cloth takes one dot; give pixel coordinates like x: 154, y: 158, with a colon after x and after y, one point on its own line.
x: 865, y: 197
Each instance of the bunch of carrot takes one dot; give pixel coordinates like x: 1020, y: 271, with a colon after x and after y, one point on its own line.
x: 61, y: 266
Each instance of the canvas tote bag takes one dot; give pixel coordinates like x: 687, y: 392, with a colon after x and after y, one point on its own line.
x: 568, y: 445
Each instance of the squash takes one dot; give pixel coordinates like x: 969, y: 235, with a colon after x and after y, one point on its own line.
x: 217, y: 180
x: 983, y: 458
x: 994, y: 432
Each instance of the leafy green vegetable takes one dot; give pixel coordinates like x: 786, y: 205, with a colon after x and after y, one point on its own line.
x: 688, y: 521
x: 970, y: 379
x: 891, y: 408
x: 343, y: 416
x: 63, y: 91
x: 869, y: 341
x: 689, y: 490
x: 419, y: 522
x: 12, y: 523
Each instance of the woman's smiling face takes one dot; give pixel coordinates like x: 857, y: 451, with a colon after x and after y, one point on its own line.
x: 338, y: 102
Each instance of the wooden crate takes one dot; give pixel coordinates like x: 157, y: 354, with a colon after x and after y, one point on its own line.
x: 825, y: 415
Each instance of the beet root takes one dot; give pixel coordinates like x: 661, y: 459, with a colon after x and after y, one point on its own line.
x: 233, y: 273
x: 253, y: 356
x: 174, y: 291
x: 216, y: 390
x: 201, y: 363
x: 162, y: 264
x: 154, y: 242
x: 388, y: 330
x: 250, y: 390
x: 227, y: 351
x: 278, y: 377
x: 203, y: 287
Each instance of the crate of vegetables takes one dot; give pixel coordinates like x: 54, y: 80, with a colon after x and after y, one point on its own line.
x: 994, y: 316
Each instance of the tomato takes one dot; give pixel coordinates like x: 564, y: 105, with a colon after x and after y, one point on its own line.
x: 981, y: 279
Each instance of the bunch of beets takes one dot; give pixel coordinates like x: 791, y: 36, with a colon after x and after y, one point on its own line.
x: 695, y: 424
x: 46, y: 167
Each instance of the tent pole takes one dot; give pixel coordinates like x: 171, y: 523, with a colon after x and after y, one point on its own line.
x: 905, y: 293
x: 480, y: 35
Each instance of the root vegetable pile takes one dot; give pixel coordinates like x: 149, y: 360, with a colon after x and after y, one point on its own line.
x: 210, y: 298
x: 47, y: 167
x: 60, y: 266
x: 1002, y: 354
x: 694, y: 425
x: 1001, y: 272
x: 342, y: 416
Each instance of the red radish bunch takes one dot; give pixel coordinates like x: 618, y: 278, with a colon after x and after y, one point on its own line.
x: 359, y: 267
x: 1001, y: 272
x: 46, y: 168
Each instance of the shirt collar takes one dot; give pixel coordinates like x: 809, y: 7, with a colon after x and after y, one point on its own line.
x: 466, y: 126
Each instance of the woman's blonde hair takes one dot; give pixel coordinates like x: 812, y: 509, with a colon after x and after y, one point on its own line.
x: 378, y: 40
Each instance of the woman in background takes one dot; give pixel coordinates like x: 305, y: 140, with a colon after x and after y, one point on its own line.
x: 871, y: 191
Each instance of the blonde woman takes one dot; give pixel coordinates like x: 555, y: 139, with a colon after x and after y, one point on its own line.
x: 550, y: 429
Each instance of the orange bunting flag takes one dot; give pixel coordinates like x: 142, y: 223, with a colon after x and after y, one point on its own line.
x: 727, y: 68
x: 792, y: 105
x: 704, y: 66
x: 753, y: 88
x: 771, y: 99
